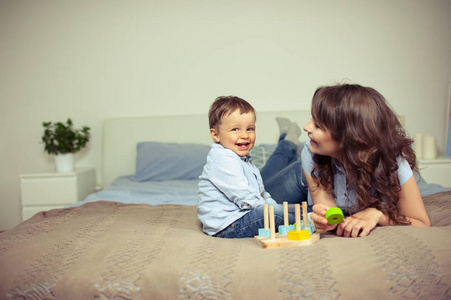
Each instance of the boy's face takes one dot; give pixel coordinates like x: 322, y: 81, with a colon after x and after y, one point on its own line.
x: 236, y: 132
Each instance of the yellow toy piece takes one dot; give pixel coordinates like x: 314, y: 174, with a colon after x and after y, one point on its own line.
x: 300, y: 235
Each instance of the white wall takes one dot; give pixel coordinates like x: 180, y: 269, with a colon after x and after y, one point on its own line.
x: 90, y: 60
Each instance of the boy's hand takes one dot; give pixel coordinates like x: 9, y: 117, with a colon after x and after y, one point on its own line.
x: 319, y: 217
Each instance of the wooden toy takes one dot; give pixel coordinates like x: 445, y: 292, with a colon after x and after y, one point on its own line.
x: 298, y: 236
x: 283, y: 229
x: 272, y: 225
x: 334, y: 215
x: 264, y: 232
x: 305, y: 222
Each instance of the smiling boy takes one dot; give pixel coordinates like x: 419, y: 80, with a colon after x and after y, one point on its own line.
x: 231, y: 192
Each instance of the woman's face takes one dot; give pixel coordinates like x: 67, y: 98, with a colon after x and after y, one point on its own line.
x: 321, y: 141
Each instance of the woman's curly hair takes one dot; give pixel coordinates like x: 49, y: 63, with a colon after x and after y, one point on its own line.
x: 370, y: 139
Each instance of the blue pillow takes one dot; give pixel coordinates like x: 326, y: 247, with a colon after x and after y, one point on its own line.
x: 261, y: 153
x: 169, y: 161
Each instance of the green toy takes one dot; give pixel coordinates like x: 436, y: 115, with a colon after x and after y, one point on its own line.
x: 334, y: 215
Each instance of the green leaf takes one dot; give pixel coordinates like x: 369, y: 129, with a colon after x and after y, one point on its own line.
x: 63, y: 138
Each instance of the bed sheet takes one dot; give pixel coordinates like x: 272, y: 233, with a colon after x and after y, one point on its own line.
x: 430, y: 188
x: 125, y: 190
x: 184, y: 192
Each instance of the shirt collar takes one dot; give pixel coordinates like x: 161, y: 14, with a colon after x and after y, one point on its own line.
x: 246, y: 158
x: 337, y: 166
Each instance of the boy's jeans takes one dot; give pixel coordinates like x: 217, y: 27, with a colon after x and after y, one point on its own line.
x: 248, y: 225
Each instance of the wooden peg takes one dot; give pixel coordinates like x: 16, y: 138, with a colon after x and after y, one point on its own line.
x: 265, y: 216
x: 285, y: 214
x: 305, y: 215
x: 272, y: 225
x: 264, y: 232
x: 297, y: 214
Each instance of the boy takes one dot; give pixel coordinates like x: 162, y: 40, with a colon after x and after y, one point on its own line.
x: 231, y: 192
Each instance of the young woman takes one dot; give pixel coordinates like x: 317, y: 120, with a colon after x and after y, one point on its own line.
x: 360, y: 159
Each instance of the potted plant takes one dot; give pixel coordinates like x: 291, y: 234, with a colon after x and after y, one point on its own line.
x: 63, y: 140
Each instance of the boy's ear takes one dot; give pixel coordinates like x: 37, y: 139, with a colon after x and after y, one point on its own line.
x: 214, y: 135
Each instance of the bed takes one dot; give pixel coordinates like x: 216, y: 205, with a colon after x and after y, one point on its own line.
x: 140, y: 238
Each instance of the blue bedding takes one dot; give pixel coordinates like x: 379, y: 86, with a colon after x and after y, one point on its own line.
x: 183, y: 192
x: 126, y: 190
x: 429, y: 188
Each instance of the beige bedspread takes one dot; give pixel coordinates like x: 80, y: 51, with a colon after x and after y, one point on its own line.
x: 108, y: 250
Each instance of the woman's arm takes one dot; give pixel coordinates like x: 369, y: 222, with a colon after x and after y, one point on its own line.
x: 322, y: 201
x: 411, y: 204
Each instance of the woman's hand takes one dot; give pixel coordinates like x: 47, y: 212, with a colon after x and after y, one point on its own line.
x: 359, y: 224
x: 319, y: 217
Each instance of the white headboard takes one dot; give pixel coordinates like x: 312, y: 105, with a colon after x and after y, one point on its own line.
x: 121, y: 135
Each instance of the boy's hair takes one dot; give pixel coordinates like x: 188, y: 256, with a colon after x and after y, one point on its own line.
x: 226, y: 105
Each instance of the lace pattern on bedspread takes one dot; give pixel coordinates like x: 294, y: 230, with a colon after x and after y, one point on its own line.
x: 123, y: 271
x: 436, y: 202
x: 409, y: 265
x: 43, y: 274
x: 304, y: 274
x: 204, y: 282
x: 35, y: 231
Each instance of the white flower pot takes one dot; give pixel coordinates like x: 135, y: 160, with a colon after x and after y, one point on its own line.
x: 64, y: 162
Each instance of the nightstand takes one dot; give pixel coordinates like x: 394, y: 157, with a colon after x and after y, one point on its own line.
x: 436, y: 170
x: 49, y: 190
